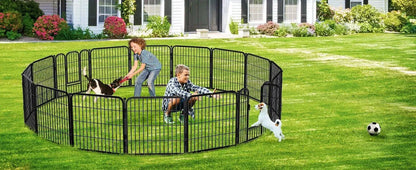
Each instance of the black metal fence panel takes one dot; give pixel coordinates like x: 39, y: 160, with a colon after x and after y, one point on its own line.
x: 197, y: 59
x: 258, y: 72
x: 108, y: 64
x: 98, y: 122
x: 228, y: 69
x: 52, y: 114
x: 214, y: 123
x: 29, y: 99
x: 42, y: 72
x: 147, y: 132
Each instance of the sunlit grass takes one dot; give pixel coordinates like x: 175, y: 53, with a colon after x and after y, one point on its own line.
x: 333, y: 87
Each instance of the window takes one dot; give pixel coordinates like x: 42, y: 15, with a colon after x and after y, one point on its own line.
x: 151, y: 8
x: 106, y: 8
x: 291, y: 11
x: 355, y: 3
x: 255, y: 12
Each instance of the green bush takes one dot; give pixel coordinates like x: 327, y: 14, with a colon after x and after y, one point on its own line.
x: 32, y: 8
x: 352, y: 28
x: 13, y: 35
x: 340, y: 29
x: 323, y: 29
x: 324, y: 11
x: 368, y: 17
x: 27, y: 8
x: 406, y: 6
x: 233, y: 27
x: 10, y: 21
x: 395, y: 20
x: 303, y: 31
x: 75, y: 34
x: 28, y: 25
x: 409, y: 28
x: 160, y: 26
x: 283, y: 31
x: 343, y: 16
x: 127, y: 8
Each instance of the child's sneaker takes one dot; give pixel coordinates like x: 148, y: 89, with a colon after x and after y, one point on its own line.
x: 191, y: 113
x: 168, y: 119
x: 181, y: 118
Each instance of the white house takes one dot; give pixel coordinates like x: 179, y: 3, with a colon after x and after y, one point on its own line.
x: 381, y: 5
x: 185, y: 15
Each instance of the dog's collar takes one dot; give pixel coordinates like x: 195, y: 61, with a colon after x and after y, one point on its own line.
x: 114, y: 90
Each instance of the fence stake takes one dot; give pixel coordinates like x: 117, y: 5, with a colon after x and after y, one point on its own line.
x: 245, y: 70
x: 125, y: 127
x: 171, y: 61
x: 34, y: 107
x: 71, y: 120
x: 211, y: 68
x: 237, y: 119
x: 55, y: 76
x: 185, y: 134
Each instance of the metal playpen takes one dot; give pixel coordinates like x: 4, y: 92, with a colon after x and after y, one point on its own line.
x: 54, y: 107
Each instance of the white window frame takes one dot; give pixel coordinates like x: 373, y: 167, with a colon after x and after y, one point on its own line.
x: 162, y: 11
x: 355, y: 1
x: 263, y: 18
x: 298, y: 14
x: 98, y: 13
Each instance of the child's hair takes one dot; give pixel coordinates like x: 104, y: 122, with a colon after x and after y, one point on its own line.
x: 179, y: 69
x: 140, y: 41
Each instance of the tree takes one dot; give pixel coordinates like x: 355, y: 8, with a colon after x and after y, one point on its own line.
x: 127, y: 7
x: 407, y: 6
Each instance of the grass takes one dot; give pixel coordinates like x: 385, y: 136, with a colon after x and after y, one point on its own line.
x: 333, y: 87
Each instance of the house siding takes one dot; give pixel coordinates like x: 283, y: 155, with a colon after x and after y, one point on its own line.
x: 381, y: 5
x: 69, y: 11
x: 337, y: 4
x: 178, y: 16
x: 48, y: 7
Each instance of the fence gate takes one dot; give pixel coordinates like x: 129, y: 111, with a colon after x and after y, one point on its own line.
x: 73, y: 71
x: 271, y: 96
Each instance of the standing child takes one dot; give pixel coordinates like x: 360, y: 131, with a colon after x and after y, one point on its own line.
x: 149, y: 68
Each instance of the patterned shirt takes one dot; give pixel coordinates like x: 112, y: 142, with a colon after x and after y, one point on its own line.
x: 174, y: 88
x: 146, y: 57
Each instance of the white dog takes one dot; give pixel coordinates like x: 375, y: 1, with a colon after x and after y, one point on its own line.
x: 264, y: 120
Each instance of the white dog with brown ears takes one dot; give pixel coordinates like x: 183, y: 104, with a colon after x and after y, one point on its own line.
x: 264, y: 120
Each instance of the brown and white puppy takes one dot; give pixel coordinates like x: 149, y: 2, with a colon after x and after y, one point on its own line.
x: 99, y: 87
x: 264, y: 120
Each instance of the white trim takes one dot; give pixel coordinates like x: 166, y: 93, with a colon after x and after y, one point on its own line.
x: 298, y: 11
x: 264, y: 13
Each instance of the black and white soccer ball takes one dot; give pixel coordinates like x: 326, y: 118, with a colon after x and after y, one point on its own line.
x: 374, y: 129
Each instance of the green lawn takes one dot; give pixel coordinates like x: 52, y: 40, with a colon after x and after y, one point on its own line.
x: 333, y: 87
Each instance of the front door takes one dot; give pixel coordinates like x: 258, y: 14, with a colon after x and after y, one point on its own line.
x: 202, y: 14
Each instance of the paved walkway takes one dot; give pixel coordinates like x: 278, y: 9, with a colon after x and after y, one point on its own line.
x: 191, y: 35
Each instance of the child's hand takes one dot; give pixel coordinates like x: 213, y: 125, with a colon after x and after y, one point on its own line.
x: 196, y: 93
x: 216, y: 96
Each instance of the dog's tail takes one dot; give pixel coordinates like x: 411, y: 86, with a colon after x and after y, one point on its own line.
x: 278, y: 122
x: 85, y: 73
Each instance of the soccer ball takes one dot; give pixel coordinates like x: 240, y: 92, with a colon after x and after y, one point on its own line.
x: 374, y: 129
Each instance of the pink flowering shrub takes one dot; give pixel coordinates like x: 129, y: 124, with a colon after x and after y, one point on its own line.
x: 115, y: 27
x: 48, y: 26
x: 268, y: 28
x: 10, y: 21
